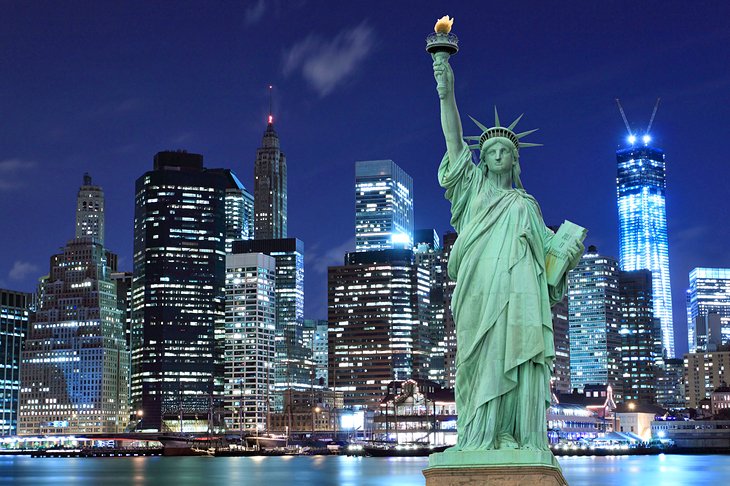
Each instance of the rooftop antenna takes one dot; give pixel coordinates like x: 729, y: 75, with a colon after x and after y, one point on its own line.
x: 623, y: 115
x: 271, y: 114
x: 653, y: 114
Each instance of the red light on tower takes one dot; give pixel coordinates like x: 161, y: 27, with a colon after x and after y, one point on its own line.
x: 271, y: 119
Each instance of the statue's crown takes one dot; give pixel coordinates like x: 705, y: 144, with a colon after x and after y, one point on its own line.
x: 499, y: 131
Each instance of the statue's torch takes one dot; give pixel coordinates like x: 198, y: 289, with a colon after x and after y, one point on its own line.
x: 442, y: 44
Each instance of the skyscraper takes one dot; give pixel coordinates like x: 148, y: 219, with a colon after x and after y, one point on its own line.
x: 561, y: 340
x: 249, y: 337
x: 315, y: 338
x: 239, y: 210
x: 708, y: 308
x: 383, y: 206
x: 377, y: 311
x: 90, y: 211
x: 640, y: 331
x: 13, y: 328
x: 74, y: 367
x: 449, y: 286
x: 270, y: 187
x: 178, y: 292
x: 293, y: 359
x: 594, y: 316
x: 641, y: 189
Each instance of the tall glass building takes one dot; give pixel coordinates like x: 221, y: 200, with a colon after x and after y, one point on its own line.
x: 383, y: 206
x: 708, y: 308
x: 594, y: 316
x: 178, y: 293
x: 13, y: 328
x: 641, y: 189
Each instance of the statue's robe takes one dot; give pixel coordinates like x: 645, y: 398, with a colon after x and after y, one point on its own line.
x: 501, y: 306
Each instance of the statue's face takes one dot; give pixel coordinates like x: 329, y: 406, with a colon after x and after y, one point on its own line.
x: 499, y: 158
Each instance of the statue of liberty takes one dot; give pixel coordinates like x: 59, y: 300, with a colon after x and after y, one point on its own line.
x: 501, y: 303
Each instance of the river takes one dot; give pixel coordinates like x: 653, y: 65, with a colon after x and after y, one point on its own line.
x: 337, y: 470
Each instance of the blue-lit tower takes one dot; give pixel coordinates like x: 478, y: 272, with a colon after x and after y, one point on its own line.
x: 641, y: 190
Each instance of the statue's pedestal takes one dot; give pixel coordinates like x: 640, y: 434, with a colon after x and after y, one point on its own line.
x: 494, y: 468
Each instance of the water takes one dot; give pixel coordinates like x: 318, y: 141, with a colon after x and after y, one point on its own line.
x: 333, y: 470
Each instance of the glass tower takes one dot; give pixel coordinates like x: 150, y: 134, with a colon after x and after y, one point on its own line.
x: 13, y: 328
x: 641, y: 190
x: 708, y: 308
x: 383, y: 206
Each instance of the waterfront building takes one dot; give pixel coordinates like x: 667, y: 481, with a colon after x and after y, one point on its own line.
x: 595, y: 398
x: 640, y: 332
x: 641, y: 190
x: 383, y: 206
x: 561, y: 339
x: 178, y: 293
x: 270, y: 187
x: 315, y: 339
x: 377, y: 305
x: 308, y: 411
x: 416, y: 411
x: 249, y: 340
x: 708, y: 308
x: 697, y: 434
x: 636, y: 417
x: 670, y: 384
x: 14, y: 309
x: 594, y: 316
x: 74, y: 369
x: 293, y: 359
x: 720, y: 401
x: 429, y: 256
x: 704, y: 373
x: 571, y: 422
x: 449, y: 325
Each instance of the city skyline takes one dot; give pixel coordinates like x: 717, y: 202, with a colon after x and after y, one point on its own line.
x: 83, y: 103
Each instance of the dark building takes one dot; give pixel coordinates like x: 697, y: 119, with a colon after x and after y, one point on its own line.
x: 561, y: 340
x: 13, y: 328
x: 641, y: 337
x: 377, y: 313
x: 449, y: 325
x: 270, y: 187
x: 178, y: 292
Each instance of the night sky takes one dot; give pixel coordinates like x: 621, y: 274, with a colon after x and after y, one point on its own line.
x: 102, y: 86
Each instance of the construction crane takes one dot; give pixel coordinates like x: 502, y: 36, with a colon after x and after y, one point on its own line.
x: 653, y: 114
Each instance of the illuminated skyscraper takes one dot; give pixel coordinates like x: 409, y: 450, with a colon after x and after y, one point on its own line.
x: 594, y: 316
x: 641, y: 189
x: 270, y: 187
x: 708, y: 308
x: 90, y: 211
x: 75, y: 364
x: 178, y: 292
x: 239, y: 211
x: 383, y: 206
x: 13, y: 328
x: 249, y: 337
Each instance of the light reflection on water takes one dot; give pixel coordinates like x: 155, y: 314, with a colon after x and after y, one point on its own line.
x: 341, y: 471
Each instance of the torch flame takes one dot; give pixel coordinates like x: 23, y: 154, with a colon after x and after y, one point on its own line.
x: 443, y: 25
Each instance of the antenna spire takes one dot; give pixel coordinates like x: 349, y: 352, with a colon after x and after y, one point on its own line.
x: 653, y: 114
x: 271, y: 114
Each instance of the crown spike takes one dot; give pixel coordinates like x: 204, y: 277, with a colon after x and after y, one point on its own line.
x: 514, y: 123
x: 524, y: 134
x: 473, y: 137
x: 473, y: 146
x: 496, y: 117
x: 481, y: 127
x: 528, y: 144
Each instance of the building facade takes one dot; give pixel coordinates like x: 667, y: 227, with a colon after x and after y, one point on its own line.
x: 178, y: 293
x: 294, y: 366
x: 75, y: 363
x: 250, y: 340
x: 703, y: 374
x: 594, y: 316
x: 641, y: 190
x: 377, y: 311
x: 640, y: 331
x: 670, y: 384
x: 383, y: 206
x: 449, y: 324
x: 239, y: 211
x: 708, y: 308
x: 14, y: 310
x: 270, y: 187
x: 315, y: 338
x: 561, y: 341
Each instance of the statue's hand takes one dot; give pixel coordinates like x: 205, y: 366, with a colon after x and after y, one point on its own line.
x: 443, y: 74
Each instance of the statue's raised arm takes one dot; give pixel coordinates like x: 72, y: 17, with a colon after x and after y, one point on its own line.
x: 450, y: 121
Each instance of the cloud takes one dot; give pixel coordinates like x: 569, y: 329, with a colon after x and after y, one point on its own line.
x: 11, y: 173
x: 255, y: 12
x: 318, y: 259
x: 323, y: 63
x: 22, y: 270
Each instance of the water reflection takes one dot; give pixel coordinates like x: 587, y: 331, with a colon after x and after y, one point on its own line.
x: 338, y: 471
